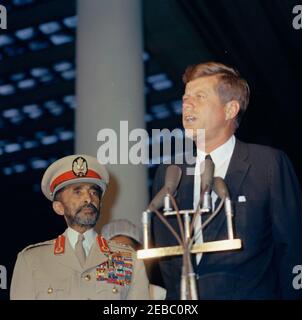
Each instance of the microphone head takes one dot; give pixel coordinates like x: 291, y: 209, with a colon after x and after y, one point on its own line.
x: 207, y: 176
x: 172, y: 178
x: 220, y: 188
x: 158, y: 201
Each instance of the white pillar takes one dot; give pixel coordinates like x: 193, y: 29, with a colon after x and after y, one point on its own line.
x: 110, y: 89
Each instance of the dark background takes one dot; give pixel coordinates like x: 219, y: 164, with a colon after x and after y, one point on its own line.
x: 37, y: 89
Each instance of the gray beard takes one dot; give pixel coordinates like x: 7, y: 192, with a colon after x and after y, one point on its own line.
x: 88, y: 221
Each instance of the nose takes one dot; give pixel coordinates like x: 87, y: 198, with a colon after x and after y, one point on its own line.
x: 187, y: 102
x: 87, y: 197
x: 185, y: 97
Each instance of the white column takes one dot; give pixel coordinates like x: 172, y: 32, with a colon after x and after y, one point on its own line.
x: 110, y: 89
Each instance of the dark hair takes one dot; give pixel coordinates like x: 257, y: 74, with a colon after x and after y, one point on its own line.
x: 231, y: 86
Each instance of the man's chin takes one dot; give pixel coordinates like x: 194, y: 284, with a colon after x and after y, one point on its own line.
x: 86, y: 223
x: 189, y: 133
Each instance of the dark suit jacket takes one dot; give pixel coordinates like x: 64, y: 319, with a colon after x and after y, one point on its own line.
x: 269, y: 224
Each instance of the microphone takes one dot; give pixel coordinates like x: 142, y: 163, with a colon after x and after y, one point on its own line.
x: 206, y: 183
x: 222, y: 191
x: 220, y: 188
x: 172, y: 179
x: 157, y: 201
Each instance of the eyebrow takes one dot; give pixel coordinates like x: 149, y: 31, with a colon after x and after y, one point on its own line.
x: 93, y: 187
x: 197, y: 92
x: 77, y: 187
x: 202, y: 92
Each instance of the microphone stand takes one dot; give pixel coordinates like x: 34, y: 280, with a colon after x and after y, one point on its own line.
x: 188, y: 280
x: 188, y: 286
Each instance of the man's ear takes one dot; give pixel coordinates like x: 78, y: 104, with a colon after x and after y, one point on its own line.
x: 58, y: 208
x: 231, y: 109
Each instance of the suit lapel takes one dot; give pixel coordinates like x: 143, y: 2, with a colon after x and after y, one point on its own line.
x: 237, y: 171
x: 185, y: 195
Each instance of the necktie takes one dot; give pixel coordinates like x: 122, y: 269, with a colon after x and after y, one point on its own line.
x: 79, y: 250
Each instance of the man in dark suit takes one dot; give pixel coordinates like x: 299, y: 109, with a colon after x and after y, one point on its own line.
x: 264, y: 190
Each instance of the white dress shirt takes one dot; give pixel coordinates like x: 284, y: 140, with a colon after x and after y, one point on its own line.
x: 221, y: 157
x: 90, y: 236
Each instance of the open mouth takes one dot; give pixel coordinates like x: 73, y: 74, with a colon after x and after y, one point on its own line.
x: 189, y: 118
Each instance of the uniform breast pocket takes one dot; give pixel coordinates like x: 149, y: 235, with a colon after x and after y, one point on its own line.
x: 51, y: 289
x: 110, y: 291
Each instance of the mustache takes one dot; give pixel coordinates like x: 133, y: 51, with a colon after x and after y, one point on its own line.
x: 87, y: 206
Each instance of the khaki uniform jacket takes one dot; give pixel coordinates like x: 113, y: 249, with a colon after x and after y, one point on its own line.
x: 40, y: 274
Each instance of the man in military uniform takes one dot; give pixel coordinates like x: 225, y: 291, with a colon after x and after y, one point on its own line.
x: 79, y: 264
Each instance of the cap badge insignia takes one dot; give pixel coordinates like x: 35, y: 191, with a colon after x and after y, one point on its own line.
x: 79, y: 167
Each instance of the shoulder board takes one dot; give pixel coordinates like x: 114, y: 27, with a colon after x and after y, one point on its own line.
x: 103, y: 244
x: 40, y: 244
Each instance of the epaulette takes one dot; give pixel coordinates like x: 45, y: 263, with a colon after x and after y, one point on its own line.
x: 40, y: 244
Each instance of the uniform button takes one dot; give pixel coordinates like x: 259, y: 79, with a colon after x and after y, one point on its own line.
x: 87, y: 277
x: 115, y: 290
x: 50, y: 290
